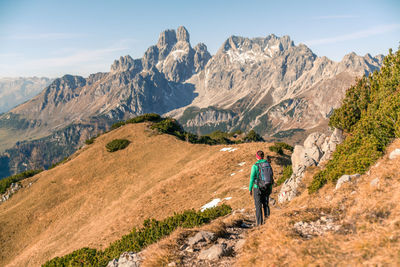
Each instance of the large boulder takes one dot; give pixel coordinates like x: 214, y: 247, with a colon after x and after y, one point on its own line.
x: 317, y: 148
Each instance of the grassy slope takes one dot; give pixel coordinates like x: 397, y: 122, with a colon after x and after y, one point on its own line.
x: 98, y: 196
x: 370, y: 215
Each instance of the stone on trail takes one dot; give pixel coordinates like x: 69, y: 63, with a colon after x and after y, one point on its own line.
x: 200, y: 237
x: 213, y: 253
x: 395, y: 153
x: 375, y: 182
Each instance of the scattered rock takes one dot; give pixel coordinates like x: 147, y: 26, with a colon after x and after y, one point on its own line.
x: 345, y: 179
x: 127, y: 259
x: 202, y: 236
x: 214, y: 252
x: 316, y: 228
x: 394, y: 154
x: 239, y: 245
x: 375, y: 182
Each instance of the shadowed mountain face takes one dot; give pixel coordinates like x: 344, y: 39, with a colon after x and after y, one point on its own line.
x: 267, y: 84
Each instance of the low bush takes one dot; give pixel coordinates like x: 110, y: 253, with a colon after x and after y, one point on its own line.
x: 90, y: 140
x: 117, y: 125
x: 58, y: 163
x: 151, y: 232
x: 252, y: 136
x: 117, y: 144
x: 145, y: 117
x: 279, y: 148
x: 287, y: 172
x: 138, y: 119
x: 6, y: 182
x: 276, y: 149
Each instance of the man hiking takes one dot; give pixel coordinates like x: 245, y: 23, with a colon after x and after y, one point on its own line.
x: 261, y: 181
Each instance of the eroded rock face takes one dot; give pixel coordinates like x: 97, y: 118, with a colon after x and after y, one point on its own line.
x: 317, y: 148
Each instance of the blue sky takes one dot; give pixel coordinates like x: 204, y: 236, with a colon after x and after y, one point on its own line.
x: 52, y: 38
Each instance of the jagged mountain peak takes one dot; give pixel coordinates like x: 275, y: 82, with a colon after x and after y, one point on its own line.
x: 182, y: 34
x: 167, y: 37
x: 243, y: 43
x: 122, y: 64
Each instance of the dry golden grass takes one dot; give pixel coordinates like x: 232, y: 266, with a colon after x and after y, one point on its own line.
x: 370, y: 216
x: 167, y: 250
x: 98, y: 196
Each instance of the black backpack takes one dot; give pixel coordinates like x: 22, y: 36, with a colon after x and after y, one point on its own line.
x: 265, y: 175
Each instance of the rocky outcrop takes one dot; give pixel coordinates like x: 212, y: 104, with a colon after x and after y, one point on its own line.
x: 317, y: 148
x: 14, y: 187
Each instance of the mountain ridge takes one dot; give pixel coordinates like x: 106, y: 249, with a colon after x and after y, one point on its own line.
x: 266, y: 84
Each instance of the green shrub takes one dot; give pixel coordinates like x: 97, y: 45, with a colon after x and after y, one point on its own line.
x: 138, y: 119
x: 169, y: 126
x: 6, y: 182
x: 287, y: 172
x: 145, y: 117
x: 370, y: 113
x: 279, y: 147
x: 252, y: 136
x: 117, y: 125
x: 117, y: 144
x: 58, y: 163
x: 284, y: 146
x: 276, y: 149
x: 90, y: 140
x: 151, y: 232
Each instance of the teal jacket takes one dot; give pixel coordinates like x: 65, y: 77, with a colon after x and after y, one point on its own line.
x: 254, y: 175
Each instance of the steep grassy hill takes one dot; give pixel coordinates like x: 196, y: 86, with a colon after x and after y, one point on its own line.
x: 98, y: 196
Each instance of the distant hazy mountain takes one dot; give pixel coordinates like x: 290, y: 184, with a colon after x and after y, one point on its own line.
x: 267, y: 84
x: 14, y: 91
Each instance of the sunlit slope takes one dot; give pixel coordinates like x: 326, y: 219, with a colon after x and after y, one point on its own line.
x: 365, y: 211
x: 98, y: 196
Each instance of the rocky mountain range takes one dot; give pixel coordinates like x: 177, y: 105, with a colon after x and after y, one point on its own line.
x: 270, y: 85
x: 267, y: 84
x: 14, y: 91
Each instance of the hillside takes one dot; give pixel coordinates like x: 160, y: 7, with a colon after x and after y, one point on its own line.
x: 98, y: 196
x: 358, y: 224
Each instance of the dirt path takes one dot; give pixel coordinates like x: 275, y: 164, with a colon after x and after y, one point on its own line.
x: 208, y: 249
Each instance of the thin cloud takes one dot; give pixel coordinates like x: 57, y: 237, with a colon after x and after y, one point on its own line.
x: 44, y: 36
x: 336, y: 17
x: 76, y: 60
x: 78, y: 57
x: 377, y: 30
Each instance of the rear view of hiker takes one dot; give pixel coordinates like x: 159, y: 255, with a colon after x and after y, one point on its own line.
x: 261, y: 181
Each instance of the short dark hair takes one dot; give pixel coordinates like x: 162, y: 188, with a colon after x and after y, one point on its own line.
x: 260, y: 154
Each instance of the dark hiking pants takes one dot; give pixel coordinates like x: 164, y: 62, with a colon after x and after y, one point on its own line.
x: 261, y: 201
